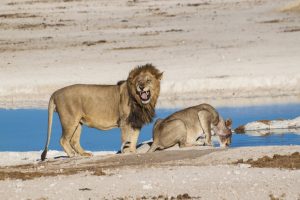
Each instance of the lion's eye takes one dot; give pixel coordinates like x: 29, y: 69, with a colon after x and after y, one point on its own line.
x: 148, y: 81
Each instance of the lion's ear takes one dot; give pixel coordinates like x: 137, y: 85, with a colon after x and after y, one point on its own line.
x: 160, y: 75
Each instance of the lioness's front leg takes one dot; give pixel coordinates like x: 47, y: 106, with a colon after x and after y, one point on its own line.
x: 205, y: 123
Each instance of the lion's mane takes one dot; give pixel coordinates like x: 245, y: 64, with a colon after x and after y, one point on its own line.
x: 142, y: 114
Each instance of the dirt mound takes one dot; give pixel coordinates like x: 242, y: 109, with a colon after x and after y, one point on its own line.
x: 277, y: 161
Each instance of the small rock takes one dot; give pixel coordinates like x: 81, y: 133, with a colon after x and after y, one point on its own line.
x: 237, y: 172
x: 147, y: 187
x: 244, y: 166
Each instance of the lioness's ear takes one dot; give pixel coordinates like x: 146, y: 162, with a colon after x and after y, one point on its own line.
x: 160, y: 75
x: 228, y: 122
x: 158, y: 121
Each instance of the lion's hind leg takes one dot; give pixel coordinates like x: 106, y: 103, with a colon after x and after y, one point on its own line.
x: 65, y: 142
x: 75, y: 142
x: 69, y: 129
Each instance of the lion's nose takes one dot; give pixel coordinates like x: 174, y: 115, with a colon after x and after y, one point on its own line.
x: 141, y: 87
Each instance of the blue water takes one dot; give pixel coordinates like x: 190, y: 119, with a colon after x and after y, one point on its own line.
x: 26, y: 129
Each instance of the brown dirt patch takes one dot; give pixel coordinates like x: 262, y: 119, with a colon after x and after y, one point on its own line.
x: 273, y: 21
x: 277, y: 161
x: 18, y: 15
x: 163, y: 197
x: 267, y: 122
x: 163, y: 14
x: 198, y: 4
x: 91, y: 43
x: 133, y: 48
x: 282, y: 197
x: 150, y: 33
x: 36, y: 173
x: 41, y: 1
x: 31, y: 26
x: 39, y: 26
x: 174, y: 30
x: 291, y: 30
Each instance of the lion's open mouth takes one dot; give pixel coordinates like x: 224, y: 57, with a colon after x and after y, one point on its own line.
x: 145, y: 96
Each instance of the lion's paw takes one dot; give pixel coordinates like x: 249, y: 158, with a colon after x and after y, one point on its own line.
x: 87, y: 154
x: 208, y: 144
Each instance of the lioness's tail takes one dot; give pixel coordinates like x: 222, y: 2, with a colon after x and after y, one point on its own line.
x: 212, y: 110
x: 51, y: 108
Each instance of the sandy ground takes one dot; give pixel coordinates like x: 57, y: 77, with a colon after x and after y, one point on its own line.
x: 233, y: 52
x: 199, y: 173
x: 221, y: 52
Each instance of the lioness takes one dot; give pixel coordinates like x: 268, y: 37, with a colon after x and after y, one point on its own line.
x: 185, y: 126
x: 129, y: 105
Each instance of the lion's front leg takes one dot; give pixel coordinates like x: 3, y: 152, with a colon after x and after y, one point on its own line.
x: 133, y: 141
x: 129, y: 139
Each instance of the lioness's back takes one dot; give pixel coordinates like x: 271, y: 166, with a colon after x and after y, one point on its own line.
x: 190, y: 115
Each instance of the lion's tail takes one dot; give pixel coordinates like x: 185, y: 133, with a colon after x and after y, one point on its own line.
x: 212, y: 110
x: 51, y: 109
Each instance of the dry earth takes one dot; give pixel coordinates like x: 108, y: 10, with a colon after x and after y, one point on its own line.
x: 196, y: 173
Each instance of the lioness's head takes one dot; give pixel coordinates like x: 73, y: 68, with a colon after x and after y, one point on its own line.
x: 223, y: 130
x: 144, y: 84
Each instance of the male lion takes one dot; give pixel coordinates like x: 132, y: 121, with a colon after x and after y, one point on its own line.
x: 185, y: 126
x: 129, y: 105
